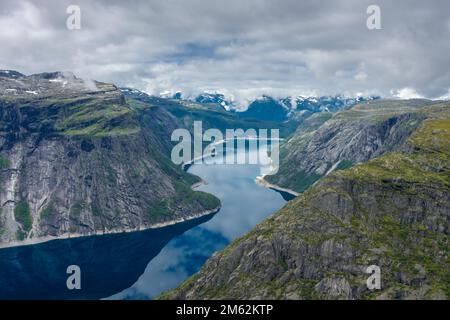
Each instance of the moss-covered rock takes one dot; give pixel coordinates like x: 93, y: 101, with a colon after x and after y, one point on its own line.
x: 86, y: 159
x: 392, y: 212
x: 368, y: 130
x: 23, y: 216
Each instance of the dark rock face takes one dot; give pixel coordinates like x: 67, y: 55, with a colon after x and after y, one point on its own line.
x: 392, y: 212
x: 313, y: 249
x: 266, y: 108
x: 210, y: 98
x: 10, y: 74
x: 80, y: 160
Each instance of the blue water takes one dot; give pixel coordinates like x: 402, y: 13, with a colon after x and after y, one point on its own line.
x: 141, y: 265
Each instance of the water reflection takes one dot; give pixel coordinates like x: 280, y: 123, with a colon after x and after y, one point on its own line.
x: 141, y: 265
x: 108, y: 263
x: 244, y: 204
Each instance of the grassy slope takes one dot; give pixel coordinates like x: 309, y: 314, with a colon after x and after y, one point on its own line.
x: 391, y: 225
x: 96, y: 117
x: 290, y: 176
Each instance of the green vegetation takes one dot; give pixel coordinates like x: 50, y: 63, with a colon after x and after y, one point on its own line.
x: 20, y: 235
x: 184, y: 197
x: 314, y: 121
x: 96, y: 210
x: 410, y: 248
x: 381, y: 110
x: 302, y: 181
x: 2, y: 229
x: 390, y: 212
x: 75, y: 210
x: 207, y: 200
x: 298, y: 180
x: 344, y: 164
x: 289, y: 176
x: 98, y: 119
x: 211, y: 115
x: 159, y: 211
x: 433, y: 136
x: 48, y: 212
x: 404, y: 116
x: 397, y: 168
x: 81, y: 115
x: 99, y: 114
x: 23, y: 216
x: 188, y: 196
x: 428, y: 164
x: 4, y: 162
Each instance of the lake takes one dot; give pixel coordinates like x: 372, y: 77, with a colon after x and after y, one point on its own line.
x: 141, y: 265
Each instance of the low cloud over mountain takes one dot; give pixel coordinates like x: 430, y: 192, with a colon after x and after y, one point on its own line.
x: 243, y: 49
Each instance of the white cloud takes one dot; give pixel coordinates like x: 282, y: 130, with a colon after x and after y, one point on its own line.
x: 242, y: 48
x: 406, y: 93
x: 445, y: 96
x: 361, y: 76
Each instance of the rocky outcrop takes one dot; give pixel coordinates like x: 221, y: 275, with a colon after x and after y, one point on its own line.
x: 323, y: 143
x: 392, y: 212
x: 77, y: 158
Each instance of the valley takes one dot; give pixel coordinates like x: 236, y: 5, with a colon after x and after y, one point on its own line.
x: 86, y: 167
x: 391, y: 212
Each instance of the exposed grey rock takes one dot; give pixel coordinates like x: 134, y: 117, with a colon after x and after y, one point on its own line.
x: 392, y: 212
x: 80, y: 160
x: 354, y: 136
x: 334, y: 288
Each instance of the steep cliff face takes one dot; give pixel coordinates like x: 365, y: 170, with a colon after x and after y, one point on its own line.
x: 324, y: 143
x: 392, y: 212
x: 77, y: 158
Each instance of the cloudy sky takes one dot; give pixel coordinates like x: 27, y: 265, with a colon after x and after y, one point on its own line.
x: 241, y: 48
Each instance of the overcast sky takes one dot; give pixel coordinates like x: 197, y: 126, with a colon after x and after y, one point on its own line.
x: 243, y: 48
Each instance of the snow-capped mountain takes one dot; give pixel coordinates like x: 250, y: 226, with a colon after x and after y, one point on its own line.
x: 11, y: 74
x: 327, y: 103
x: 203, y: 98
x: 268, y: 108
x: 214, y: 98
x: 13, y: 83
x: 272, y: 109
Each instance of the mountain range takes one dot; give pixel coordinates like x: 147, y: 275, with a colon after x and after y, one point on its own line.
x: 277, y: 109
x: 375, y: 183
x: 371, y: 178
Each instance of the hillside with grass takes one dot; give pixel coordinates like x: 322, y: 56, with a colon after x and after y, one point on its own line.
x: 326, y: 142
x: 392, y: 212
x: 77, y: 158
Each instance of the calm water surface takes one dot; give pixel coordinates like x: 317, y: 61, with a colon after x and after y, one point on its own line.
x: 141, y: 265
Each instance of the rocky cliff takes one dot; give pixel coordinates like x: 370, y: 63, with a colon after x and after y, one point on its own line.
x: 77, y: 158
x: 392, y: 212
x: 326, y: 142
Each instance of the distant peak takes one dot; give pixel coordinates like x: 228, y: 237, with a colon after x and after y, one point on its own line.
x: 54, y: 75
x: 11, y: 74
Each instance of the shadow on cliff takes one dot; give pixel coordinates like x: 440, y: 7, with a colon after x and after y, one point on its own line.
x: 109, y: 263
